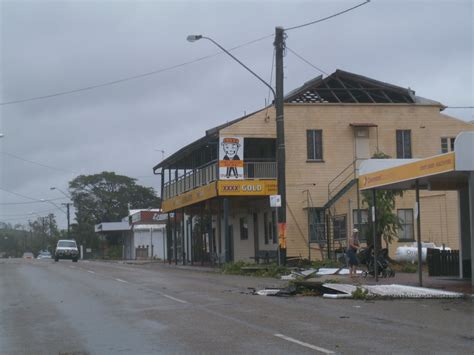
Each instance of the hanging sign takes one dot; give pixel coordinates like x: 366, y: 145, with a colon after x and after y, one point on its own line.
x: 275, y: 201
x: 231, y: 163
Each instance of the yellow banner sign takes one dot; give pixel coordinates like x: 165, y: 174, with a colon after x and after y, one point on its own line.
x: 188, y: 198
x: 247, y: 188
x: 425, y: 167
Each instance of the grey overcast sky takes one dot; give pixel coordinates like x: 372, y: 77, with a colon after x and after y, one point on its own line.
x: 54, y: 46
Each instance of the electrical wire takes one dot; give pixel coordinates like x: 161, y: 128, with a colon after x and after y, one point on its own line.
x: 114, y: 82
x: 327, y: 18
x: 21, y: 195
x: 306, y: 61
x: 27, y: 214
x: 35, y: 162
x: 30, y: 202
x: 459, y: 106
x: 153, y: 72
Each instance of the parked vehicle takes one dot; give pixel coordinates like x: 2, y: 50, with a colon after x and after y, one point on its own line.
x: 44, y: 254
x: 66, y: 249
x: 28, y: 255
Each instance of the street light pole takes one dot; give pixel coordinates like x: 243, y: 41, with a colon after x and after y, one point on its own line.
x: 280, y: 132
x: 67, y: 209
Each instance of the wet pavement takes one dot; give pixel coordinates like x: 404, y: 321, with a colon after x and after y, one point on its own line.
x: 113, y: 308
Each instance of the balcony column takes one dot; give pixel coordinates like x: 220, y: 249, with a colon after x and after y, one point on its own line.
x: 183, y: 226
x: 191, y: 241
x: 226, y: 230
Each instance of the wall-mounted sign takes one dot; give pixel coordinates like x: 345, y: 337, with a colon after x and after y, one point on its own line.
x: 247, y: 188
x: 191, y: 197
x: 418, y: 169
x: 275, y: 201
x: 148, y: 217
x: 231, y: 162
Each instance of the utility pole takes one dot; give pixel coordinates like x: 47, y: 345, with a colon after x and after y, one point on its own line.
x: 280, y: 139
x: 68, y: 220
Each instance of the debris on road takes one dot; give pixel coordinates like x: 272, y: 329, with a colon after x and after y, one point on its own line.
x: 390, y: 291
x: 281, y: 292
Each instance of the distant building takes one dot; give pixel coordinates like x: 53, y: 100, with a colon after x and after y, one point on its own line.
x: 219, y: 185
x: 142, y: 234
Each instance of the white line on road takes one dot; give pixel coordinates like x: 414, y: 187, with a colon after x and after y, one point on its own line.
x: 314, y: 347
x: 91, y: 272
x: 174, y: 298
x: 120, y: 280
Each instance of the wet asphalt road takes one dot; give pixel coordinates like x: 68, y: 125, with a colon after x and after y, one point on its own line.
x: 110, y: 308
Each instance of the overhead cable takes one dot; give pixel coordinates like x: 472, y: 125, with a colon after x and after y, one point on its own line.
x: 306, y: 61
x: 114, y: 82
x: 327, y: 18
x: 35, y: 162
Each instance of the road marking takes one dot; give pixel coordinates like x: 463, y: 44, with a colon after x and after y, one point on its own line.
x: 120, y: 280
x: 314, y: 347
x: 91, y: 272
x: 174, y: 298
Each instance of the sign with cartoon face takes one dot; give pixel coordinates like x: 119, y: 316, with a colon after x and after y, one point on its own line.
x: 231, y: 163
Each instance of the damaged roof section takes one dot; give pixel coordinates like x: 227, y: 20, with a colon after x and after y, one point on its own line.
x: 345, y: 87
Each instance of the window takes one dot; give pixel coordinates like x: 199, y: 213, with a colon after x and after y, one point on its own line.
x: 447, y: 144
x: 403, y: 144
x: 244, y: 229
x: 317, y: 225
x: 340, y: 227
x: 406, y: 232
x: 265, y: 228
x: 363, y: 225
x: 314, y: 140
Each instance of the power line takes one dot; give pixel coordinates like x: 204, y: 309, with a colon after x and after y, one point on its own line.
x: 459, y: 106
x: 28, y: 214
x: 134, y: 77
x: 326, y: 18
x: 306, y: 61
x: 21, y: 195
x: 30, y: 202
x: 35, y: 162
x: 114, y: 82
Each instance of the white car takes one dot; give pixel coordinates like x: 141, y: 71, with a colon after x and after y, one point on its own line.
x: 66, y: 249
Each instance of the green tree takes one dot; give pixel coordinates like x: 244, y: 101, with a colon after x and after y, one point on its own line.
x: 387, y: 221
x: 105, y: 197
x: 44, y: 233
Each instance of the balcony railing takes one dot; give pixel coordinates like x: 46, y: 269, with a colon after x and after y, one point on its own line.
x: 209, y: 173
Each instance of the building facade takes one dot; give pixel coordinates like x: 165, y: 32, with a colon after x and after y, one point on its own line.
x: 332, y: 124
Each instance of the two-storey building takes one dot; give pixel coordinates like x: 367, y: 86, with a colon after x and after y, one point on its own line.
x: 218, y: 186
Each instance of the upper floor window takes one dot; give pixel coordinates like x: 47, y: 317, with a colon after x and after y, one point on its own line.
x: 447, y: 144
x: 403, y: 144
x: 314, y: 140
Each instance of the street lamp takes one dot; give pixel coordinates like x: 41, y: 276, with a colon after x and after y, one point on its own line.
x: 279, y: 44
x: 66, y: 212
x: 194, y: 38
x: 56, y: 188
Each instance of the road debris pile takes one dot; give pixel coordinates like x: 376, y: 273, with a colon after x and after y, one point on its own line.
x: 387, y: 291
